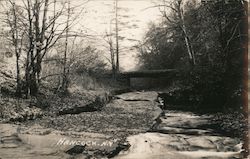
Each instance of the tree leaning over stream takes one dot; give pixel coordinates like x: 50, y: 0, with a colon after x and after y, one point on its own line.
x: 36, y: 26
x: 213, y: 42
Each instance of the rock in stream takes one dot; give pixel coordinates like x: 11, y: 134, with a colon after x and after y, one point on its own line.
x: 36, y: 141
x: 182, y: 135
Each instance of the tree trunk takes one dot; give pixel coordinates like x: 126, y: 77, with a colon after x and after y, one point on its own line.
x: 65, y: 80
x: 29, y: 57
x: 117, y: 37
x: 112, y: 57
x: 186, y: 37
x: 18, y: 78
x: 33, y: 88
x: 41, y: 38
x: 33, y: 82
x: 113, y: 63
x: 15, y: 37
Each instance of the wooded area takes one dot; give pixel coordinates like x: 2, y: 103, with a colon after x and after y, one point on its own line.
x: 186, y: 96
x: 207, y: 43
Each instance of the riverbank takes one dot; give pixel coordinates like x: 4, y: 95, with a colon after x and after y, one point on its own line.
x: 127, y: 114
x: 129, y: 125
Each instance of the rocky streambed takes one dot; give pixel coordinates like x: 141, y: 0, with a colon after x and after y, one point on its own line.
x: 182, y: 135
x: 132, y: 125
x: 95, y: 134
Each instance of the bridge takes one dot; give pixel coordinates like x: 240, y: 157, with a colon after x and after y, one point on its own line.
x: 147, y: 77
x: 148, y: 73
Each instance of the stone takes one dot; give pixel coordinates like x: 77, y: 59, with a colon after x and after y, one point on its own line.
x: 138, y: 96
x: 77, y: 149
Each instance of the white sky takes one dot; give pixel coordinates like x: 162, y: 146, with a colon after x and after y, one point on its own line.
x: 97, y: 15
x: 100, y: 12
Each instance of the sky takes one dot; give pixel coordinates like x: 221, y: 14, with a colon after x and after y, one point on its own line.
x: 134, y: 17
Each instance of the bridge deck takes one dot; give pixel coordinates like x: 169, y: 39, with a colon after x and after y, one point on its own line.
x: 148, y: 73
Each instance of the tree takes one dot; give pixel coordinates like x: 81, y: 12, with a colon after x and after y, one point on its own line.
x: 114, y: 47
x: 117, y: 36
x: 65, y: 82
x: 178, y: 18
x: 215, y: 32
x: 16, y: 39
x: 112, y: 53
x: 162, y: 48
x: 114, y: 38
x: 43, y: 25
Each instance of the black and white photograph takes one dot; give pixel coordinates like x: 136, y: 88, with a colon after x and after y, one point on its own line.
x: 124, y: 79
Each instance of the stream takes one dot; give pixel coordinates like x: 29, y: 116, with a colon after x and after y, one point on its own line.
x: 182, y: 135
x: 174, y: 135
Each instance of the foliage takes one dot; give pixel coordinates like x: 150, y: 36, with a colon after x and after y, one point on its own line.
x: 35, y: 27
x: 160, y: 50
x: 215, y: 31
x: 88, y: 60
x: 231, y: 123
x: 84, y: 65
